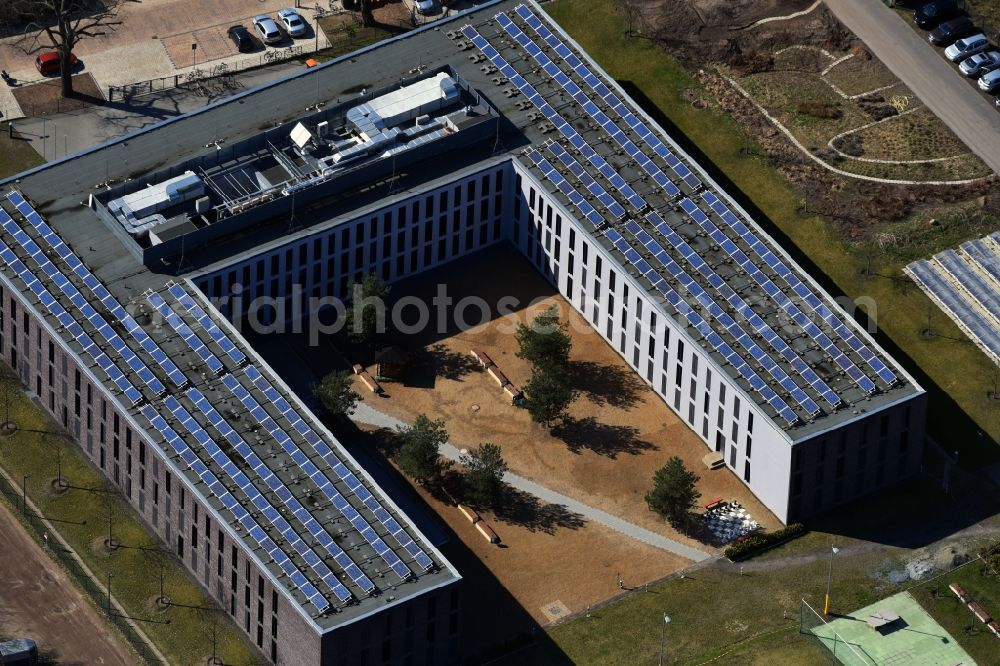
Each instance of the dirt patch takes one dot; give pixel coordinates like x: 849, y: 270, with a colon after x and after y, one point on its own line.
x: 700, y: 31
x: 45, y: 98
x: 550, y: 572
x: 40, y: 602
x: 618, y: 431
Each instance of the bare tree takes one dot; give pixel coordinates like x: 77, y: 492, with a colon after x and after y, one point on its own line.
x: 367, y: 14
x: 631, y: 12
x: 61, y: 25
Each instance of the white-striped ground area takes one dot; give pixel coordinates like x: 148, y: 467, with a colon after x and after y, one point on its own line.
x: 965, y: 283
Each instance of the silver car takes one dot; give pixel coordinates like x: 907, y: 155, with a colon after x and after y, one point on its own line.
x: 267, y: 29
x: 294, y: 24
x: 990, y: 81
x: 980, y: 63
x: 967, y: 46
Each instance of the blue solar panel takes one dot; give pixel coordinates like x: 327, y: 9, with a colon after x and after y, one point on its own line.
x: 616, y: 238
x: 775, y: 293
x: 281, y: 436
x: 207, y: 323
x: 92, y: 284
x: 318, y: 601
x: 89, y: 347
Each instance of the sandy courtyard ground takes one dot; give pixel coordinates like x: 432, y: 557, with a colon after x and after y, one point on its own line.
x: 38, y: 601
x: 619, y: 432
x: 553, y: 564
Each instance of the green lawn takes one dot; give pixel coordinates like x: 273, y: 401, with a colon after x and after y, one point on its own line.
x: 15, y: 155
x: 716, y: 613
x: 944, y: 607
x: 81, y: 516
x: 955, y: 373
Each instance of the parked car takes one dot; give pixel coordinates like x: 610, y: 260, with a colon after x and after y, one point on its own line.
x: 931, y: 15
x: 294, y: 24
x: 425, y: 6
x: 980, y: 63
x: 946, y: 33
x: 48, y: 63
x: 267, y: 29
x: 966, y: 46
x: 241, y: 38
x: 990, y: 81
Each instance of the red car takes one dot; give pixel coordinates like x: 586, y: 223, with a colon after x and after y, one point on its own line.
x: 48, y: 63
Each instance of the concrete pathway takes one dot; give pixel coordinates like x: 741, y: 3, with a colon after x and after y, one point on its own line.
x: 925, y: 71
x: 371, y: 416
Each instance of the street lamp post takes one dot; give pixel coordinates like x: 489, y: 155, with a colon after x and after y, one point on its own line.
x: 109, y: 593
x: 663, y: 632
x: 829, y: 580
x: 24, y: 495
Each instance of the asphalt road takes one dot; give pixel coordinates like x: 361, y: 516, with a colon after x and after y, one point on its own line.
x: 925, y: 71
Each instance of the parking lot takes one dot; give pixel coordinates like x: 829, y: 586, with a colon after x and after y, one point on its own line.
x: 154, y: 40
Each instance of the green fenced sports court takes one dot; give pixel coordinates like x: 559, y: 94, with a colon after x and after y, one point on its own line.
x: 913, y: 640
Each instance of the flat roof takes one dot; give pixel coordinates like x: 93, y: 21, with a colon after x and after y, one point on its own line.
x: 775, y: 348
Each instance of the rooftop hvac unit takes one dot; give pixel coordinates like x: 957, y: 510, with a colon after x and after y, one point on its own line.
x: 202, y: 205
x: 323, y: 128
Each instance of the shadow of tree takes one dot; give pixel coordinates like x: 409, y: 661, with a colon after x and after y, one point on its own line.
x: 521, y: 508
x: 606, y: 384
x: 601, y: 438
x: 449, y: 364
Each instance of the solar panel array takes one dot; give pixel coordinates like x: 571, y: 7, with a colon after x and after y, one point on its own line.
x: 985, y: 254
x: 345, y: 475
x: 67, y: 321
x: 255, y: 497
x: 638, y: 208
x: 735, y: 300
x: 966, y: 285
x: 98, y: 292
x: 298, y: 424
x: 97, y: 289
x: 970, y: 317
x: 242, y: 516
x: 611, y: 99
x: 682, y: 306
x: 207, y: 323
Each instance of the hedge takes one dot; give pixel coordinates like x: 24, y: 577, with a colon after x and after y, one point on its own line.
x: 757, y: 543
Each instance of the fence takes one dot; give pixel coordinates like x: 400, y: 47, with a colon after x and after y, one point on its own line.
x: 841, y: 651
x: 98, y: 595
x: 223, y: 73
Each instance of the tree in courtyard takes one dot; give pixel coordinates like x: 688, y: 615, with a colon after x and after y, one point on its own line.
x: 366, y: 315
x: 544, y: 342
x: 549, y: 394
x: 419, y: 451
x: 61, y: 25
x: 674, y: 495
x: 336, y: 392
x: 485, y: 468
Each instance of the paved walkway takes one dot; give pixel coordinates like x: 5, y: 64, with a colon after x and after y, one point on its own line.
x: 927, y: 73
x: 371, y: 416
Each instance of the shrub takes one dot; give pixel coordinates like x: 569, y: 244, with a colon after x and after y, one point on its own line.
x: 756, y: 543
